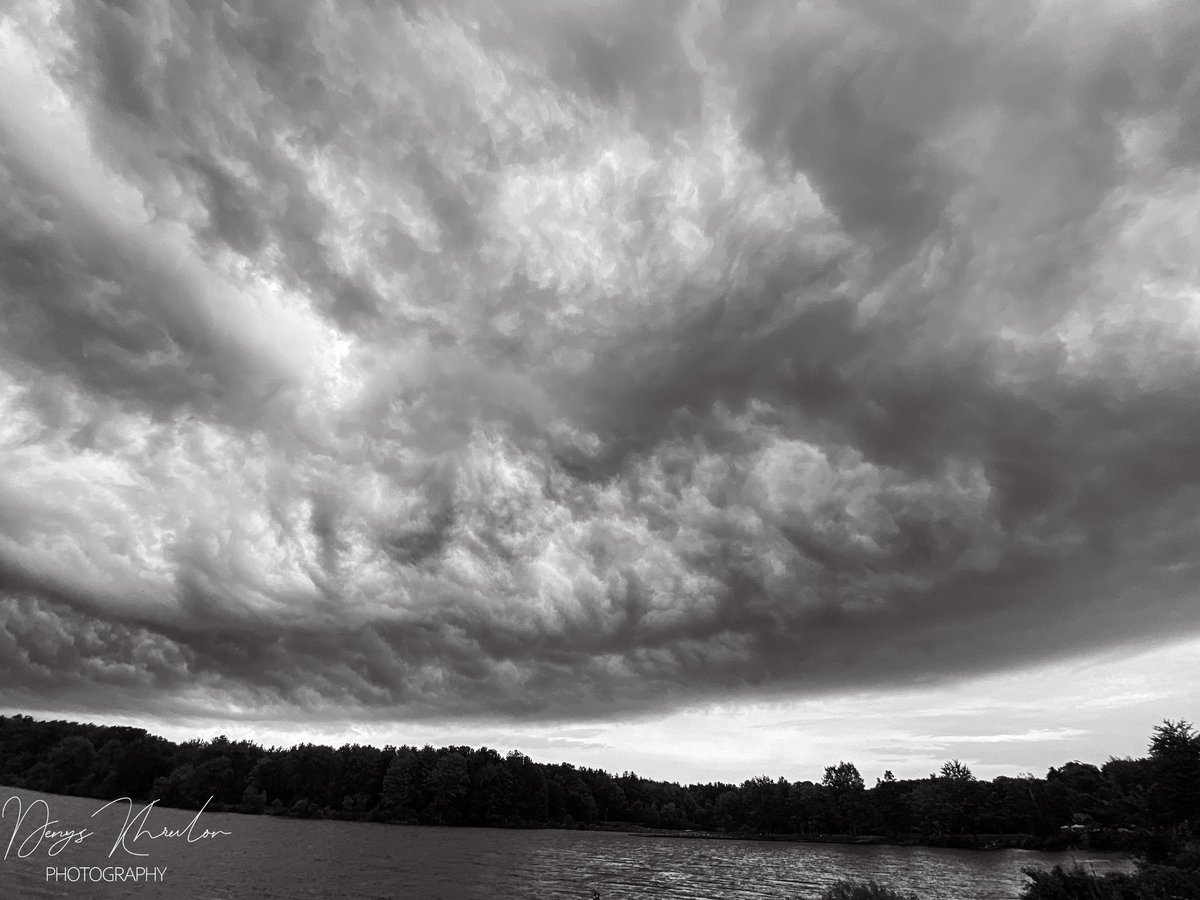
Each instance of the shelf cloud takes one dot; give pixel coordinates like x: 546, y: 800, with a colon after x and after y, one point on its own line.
x: 577, y: 359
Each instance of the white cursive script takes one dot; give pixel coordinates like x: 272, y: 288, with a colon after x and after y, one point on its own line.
x: 40, y: 831
x: 136, y: 827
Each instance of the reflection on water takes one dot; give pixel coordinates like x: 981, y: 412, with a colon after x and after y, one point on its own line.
x: 265, y: 857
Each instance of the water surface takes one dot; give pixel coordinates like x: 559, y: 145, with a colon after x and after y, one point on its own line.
x: 288, y: 859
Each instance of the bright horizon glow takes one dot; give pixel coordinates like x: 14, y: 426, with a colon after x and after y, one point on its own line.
x: 1102, y: 706
x: 702, y: 389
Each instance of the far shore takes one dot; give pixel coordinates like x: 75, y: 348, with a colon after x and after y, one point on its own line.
x: 979, y: 842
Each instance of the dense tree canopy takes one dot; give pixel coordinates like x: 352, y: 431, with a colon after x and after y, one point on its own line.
x: 1107, y: 806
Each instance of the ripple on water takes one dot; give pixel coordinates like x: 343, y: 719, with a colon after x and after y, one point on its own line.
x: 287, y: 859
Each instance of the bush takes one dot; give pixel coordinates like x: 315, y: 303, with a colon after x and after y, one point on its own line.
x: 1067, y: 884
x: 864, y: 890
x: 1148, y: 883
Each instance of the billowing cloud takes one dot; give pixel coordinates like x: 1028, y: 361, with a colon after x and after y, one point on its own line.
x: 474, y: 359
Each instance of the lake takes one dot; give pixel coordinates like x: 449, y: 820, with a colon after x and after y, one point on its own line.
x: 288, y: 859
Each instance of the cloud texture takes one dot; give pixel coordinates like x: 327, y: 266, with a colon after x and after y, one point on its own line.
x: 567, y: 359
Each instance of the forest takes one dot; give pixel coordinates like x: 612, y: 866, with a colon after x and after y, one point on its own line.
x: 1148, y: 806
x: 1122, y: 804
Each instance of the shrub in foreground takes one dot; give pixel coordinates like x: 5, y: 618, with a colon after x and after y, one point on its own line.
x: 864, y: 890
x: 1149, y: 882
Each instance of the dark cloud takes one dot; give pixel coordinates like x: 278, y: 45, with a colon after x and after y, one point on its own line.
x: 479, y: 360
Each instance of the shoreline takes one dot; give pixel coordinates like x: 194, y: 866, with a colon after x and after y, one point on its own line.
x: 981, y: 843
x: 974, y: 842
x: 978, y: 842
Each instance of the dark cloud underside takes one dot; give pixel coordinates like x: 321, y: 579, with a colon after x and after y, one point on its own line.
x: 472, y: 359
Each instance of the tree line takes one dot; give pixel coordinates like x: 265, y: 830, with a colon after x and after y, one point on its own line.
x: 1122, y: 804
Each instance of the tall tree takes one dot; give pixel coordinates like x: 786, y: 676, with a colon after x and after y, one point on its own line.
x: 1174, y: 797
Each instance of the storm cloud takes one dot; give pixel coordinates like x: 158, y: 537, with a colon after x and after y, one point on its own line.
x: 570, y: 359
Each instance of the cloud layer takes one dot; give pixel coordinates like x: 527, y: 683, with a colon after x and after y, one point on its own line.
x: 474, y: 359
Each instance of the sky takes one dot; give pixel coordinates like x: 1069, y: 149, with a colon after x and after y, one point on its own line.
x: 703, y: 389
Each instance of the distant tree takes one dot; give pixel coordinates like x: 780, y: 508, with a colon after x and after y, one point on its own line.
x: 729, y: 811
x: 404, y: 792
x: 1011, y: 806
x: 955, y: 771
x: 810, y: 808
x: 181, y: 787
x: 1174, y: 796
x: 312, y: 772
x: 450, y: 784
x: 215, y: 778
x: 948, y: 802
x: 842, y: 778
x: 1128, y: 783
x: 1084, y: 791
x: 363, y: 769
x: 766, y: 804
x: 531, y: 796
x: 610, y: 798
x: 69, y: 764
x: 130, y: 762
x: 889, y: 800
x: 1174, y: 740
x: 578, y: 801
x: 845, y: 784
x: 671, y: 816
x: 253, y: 802
x: 495, y: 803
x: 1152, y: 803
